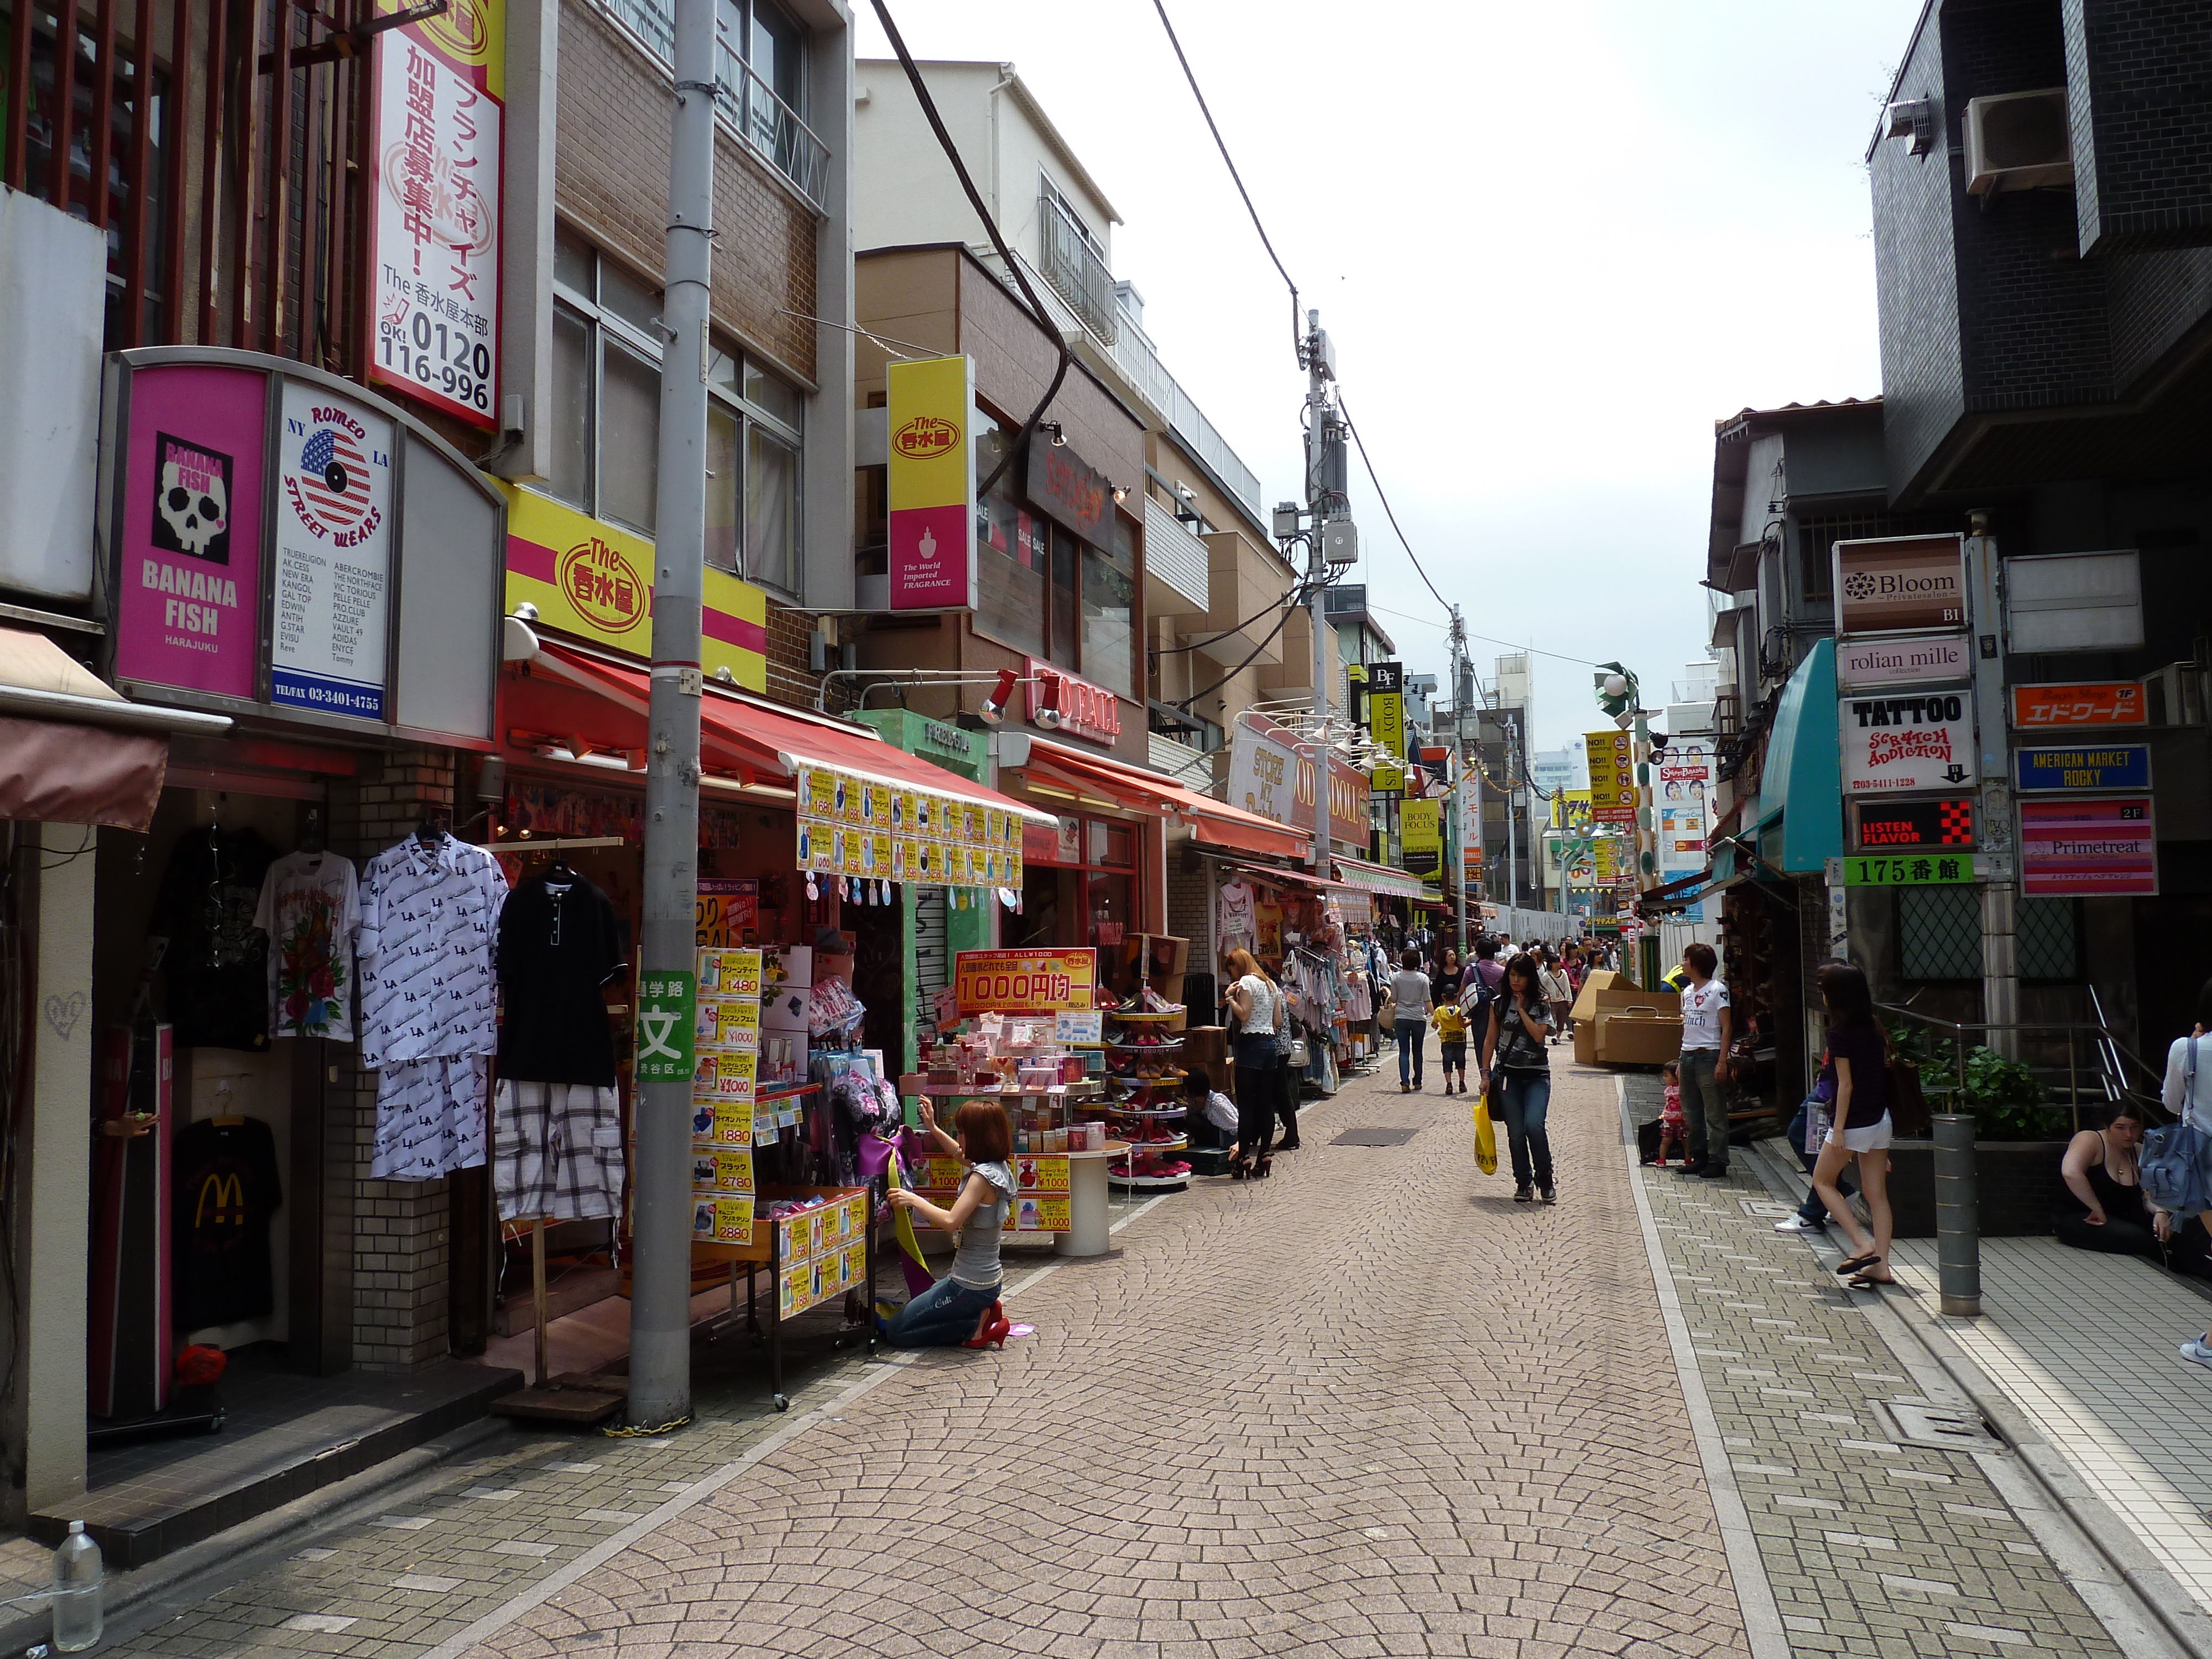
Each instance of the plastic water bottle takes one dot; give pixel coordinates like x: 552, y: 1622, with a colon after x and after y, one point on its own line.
x: 77, y: 1592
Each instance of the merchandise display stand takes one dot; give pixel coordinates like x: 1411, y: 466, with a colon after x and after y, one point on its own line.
x: 1145, y: 1053
x: 574, y: 1398
x: 811, y: 1255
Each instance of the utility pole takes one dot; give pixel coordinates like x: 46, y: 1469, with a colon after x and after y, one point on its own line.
x: 1513, y: 805
x: 661, y: 1306
x: 1326, y: 479
x: 1462, y: 689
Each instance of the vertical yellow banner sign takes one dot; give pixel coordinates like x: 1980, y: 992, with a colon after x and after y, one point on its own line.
x: 931, y: 484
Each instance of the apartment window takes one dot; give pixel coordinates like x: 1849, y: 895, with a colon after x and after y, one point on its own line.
x: 606, y: 375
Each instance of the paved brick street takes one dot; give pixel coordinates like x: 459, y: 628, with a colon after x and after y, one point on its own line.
x: 1371, y: 1406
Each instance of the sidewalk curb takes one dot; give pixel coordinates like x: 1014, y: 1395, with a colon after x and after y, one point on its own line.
x: 2161, y: 1594
x: 125, y: 1590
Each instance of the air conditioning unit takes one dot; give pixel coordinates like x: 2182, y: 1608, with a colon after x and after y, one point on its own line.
x: 2018, y: 141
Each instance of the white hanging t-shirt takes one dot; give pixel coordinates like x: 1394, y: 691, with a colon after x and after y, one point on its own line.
x: 310, y: 907
x: 1234, y: 921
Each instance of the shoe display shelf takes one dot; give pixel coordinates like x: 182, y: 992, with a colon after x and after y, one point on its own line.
x: 1144, y: 1047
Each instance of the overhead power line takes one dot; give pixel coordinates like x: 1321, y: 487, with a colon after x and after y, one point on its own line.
x: 1298, y: 334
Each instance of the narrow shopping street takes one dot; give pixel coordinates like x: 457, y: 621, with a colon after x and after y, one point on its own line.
x: 1370, y: 1406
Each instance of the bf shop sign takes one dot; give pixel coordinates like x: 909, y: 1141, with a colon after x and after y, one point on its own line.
x: 1913, y: 740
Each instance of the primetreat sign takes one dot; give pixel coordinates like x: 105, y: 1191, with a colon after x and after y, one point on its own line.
x: 286, y: 545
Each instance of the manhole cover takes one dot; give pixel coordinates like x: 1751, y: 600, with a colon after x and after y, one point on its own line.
x: 1764, y: 1206
x: 1953, y: 1428
x: 1374, y: 1137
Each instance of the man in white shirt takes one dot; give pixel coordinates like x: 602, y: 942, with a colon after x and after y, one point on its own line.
x: 1707, y: 1025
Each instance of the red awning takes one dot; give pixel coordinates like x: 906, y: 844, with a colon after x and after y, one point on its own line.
x: 52, y: 772
x: 1215, y: 823
x: 767, y: 737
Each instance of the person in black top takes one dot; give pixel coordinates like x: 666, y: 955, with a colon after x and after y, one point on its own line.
x: 1445, y: 982
x: 1858, y: 1062
x: 1516, y: 1056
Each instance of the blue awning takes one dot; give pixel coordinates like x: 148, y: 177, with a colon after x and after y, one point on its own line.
x: 1802, y: 783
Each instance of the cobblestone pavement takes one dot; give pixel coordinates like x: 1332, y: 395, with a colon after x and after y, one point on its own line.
x: 1369, y: 1407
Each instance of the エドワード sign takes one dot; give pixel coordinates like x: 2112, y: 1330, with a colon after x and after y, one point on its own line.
x: 1035, y: 982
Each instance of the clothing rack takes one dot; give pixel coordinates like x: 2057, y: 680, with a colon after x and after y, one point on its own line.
x: 559, y: 844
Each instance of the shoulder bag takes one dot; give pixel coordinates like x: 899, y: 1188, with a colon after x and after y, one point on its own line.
x: 2171, y: 1166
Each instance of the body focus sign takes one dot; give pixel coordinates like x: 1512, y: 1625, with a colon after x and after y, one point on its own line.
x: 434, y: 246
x: 1914, y: 740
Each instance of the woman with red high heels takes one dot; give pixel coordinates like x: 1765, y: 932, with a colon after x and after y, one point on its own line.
x: 963, y: 1306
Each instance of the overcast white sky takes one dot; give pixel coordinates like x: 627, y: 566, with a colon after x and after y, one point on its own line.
x: 1553, y: 244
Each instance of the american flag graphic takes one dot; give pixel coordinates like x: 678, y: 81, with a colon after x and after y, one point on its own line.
x: 334, y: 477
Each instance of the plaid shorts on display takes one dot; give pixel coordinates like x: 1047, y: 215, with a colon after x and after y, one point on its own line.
x: 556, y: 1151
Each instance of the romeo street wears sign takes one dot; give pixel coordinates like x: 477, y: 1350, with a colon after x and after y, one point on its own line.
x: 1915, y: 740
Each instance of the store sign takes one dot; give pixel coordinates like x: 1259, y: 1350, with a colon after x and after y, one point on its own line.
x: 594, y: 581
x: 1420, y: 836
x: 1613, y: 776
x: 1386, y: 711
x: 1870, y: 664
x: 188, y: 591
x: 1900, y: 584
x: 2088, y: 848
x: 1681, y: 800
x: 1263, y: 770
x: 1915, y: 740
x: 1892, y: 825
x: 929, y: 478
x: 1073, y: 492
x: 1085, y: 710
x: 333, y: 554
x: 1570, y: 810
x: 282, y: 543
x: 2108, y: 702
x: 1349, y: 793
x: 727, y: 913
x: 2114, y: 766
x: 1030, y: 982
x: 435, y: 245
x: 1914, y: 870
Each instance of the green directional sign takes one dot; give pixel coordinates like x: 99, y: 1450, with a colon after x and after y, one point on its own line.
x: 1909, y: 870
x: 665, y: 1012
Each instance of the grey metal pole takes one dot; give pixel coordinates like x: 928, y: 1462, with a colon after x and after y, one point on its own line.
x: 1462, y: 683
x: 1958, y: 1216
x: 1316, y: 502
x: 1513, y: 805
x: 661, y: 1306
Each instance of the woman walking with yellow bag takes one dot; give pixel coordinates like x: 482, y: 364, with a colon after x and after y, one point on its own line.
x: 1515, y: 1059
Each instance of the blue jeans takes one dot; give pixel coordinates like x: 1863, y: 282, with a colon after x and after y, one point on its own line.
x: 1812, y: 1212
x: 1524, y: 1100
x: 1411, y: 1033
x: 941, y: 1315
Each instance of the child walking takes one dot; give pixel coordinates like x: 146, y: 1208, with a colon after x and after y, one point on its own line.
x: 1450, y: 1021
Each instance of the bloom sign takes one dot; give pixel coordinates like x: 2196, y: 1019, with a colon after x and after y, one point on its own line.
x: 1915, y: 740
x: 1898, y: 583
x: 930, y: 484
x: 435, y: 235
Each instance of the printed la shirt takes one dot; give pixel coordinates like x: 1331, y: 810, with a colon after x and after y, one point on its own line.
x: 311, y: 909
x: 429, y: 918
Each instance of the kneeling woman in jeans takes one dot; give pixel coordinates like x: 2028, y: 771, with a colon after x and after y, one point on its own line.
x: 1516, y: 1057
x: 963, y: 1306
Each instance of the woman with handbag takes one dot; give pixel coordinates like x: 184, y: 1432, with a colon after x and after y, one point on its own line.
x: 1858, y: 1062
x: 1256, y: 1005
x: 1515, y: 1058
x: 2184, y: 1095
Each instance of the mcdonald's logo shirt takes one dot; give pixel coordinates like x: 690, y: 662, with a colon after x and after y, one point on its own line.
x: 227, y: 1189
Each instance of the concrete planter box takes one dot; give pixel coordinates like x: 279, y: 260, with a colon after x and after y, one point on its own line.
x: 2019, y: 1181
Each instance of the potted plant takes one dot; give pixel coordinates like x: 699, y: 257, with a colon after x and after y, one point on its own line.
x: 2020, y: 1135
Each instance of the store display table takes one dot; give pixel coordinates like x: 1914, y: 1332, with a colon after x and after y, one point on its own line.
x: 1086, y: 1233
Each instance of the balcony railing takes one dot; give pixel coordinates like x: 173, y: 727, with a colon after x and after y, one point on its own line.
x: 1073, y: 268
x: 1133, y: 354
x: 747, y: 104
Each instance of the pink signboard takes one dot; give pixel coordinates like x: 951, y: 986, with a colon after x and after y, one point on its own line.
x: 188, y: 577
x: 2087, y: 849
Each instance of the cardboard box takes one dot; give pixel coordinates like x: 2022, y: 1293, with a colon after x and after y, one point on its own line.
x: 1632, y: 1036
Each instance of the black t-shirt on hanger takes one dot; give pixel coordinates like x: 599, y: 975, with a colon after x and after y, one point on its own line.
x: 216, y: 967
x: 558, y: 944
x: 227, y: 1189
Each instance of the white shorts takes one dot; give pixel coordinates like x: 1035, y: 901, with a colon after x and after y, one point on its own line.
x: 1872, y: 1139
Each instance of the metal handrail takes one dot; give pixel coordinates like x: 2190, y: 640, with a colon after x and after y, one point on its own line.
x: 1072, y: 266
x: 2110, y: 1052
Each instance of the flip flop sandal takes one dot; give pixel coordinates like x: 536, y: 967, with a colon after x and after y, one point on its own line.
x: 1856, y: 1264
x: 1868, y: 1282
